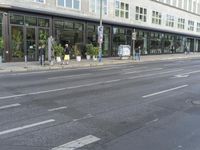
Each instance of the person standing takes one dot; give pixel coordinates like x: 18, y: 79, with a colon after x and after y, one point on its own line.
x: 42, y: 54
x: 67, y: 52
x: 137, y: 54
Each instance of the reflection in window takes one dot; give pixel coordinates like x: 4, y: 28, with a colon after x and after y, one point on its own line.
x: 17, y: 19
x: 17, y: 42
x: 39, y: 1
x: 43, y: 22
x: 95, y: 6
x: 170, y: 21
x: 190, y: 25
x: 156, y: 17
x: 141, y: 14
x: 181, y: 23
x: 121, y: 9
x: 30, y: 21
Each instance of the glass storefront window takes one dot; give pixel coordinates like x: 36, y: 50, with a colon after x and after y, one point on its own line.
x: 59, y: 24
x: 78, y: 26
x: 17, y: 45
x: 70, y: 32
x: 121, y: 36
x: 92, y: 34
x: 43, y: 22
x: 68, y: 25
x: 17, y: 19
x: 1, y: 17
x: 155, y: 43
x: 30, y: 21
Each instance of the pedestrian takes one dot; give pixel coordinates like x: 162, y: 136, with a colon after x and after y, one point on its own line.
x: 67, y: 52
x: 137, y: 53
x: 42, y: 54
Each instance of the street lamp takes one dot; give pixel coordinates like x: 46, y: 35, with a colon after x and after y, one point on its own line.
x: 100, y: 33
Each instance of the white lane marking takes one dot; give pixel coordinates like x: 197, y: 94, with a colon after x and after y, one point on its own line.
x: 153, y: 74
x: 134, y: 68
x: 71, y: 76
x: 9, y: 106
x: 35, y: 93
x: 59, y: 108
x: 88, y: 116
x: 112, y: 81
x: 185, y: 75
x: 165, y: 91
x: 181, y: 76
x: 26, y: 127
x: 78, y: 143
x: 87, y: 85
x: 192, y: 72
x: 153, y: 69
x: 152, y: 121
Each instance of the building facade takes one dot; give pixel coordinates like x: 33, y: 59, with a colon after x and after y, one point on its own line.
x: 162, y: 26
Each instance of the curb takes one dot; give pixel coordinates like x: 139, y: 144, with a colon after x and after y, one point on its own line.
x: 89, y: 64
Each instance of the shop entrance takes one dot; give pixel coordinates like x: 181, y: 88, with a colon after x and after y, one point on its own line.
x: 30, y: 45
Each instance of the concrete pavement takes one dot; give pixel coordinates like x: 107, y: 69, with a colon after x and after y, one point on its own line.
x: 34, y: 66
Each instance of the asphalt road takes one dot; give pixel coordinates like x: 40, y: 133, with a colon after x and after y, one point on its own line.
x: 144, y: 106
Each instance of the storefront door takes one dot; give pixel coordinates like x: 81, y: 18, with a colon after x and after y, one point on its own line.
x: 30, y: 44
x: 17, y: 43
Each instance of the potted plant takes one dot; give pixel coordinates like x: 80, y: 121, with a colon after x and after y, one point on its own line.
x: 89, y: 49
x: 58, y: 52
x: 95, y: 53
x: 77, y: 53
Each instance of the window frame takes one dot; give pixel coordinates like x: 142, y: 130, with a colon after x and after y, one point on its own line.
x: 141, y: 14
x: 121, y: 10
x: 66, y: 7
x: 94, y: 10
x: 36, y: 1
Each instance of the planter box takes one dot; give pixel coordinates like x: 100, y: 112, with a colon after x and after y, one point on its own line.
x: 58, y: 59
x: 78, y: 58
x: 94, y: 58
x: 88, y: 57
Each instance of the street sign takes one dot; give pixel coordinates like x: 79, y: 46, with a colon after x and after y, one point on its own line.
x: 134, y: 36
x: 100, y: 34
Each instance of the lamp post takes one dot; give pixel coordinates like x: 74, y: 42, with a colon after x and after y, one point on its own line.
x: 100, y: 33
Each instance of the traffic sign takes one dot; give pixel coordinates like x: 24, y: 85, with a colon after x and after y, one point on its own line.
x: 100, y: 34
x: 134, y: 36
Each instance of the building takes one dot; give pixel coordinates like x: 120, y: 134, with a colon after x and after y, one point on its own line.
x: 162, y: 26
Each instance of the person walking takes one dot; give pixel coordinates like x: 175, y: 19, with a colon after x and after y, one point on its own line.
x: 67, y: 52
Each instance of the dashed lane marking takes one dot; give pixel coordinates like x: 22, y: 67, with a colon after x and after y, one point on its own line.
x: 9, y: 106
x: 78, y: 143
x: 26, y: 127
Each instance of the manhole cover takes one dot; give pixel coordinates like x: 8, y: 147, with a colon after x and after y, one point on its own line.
x: 196, y: 102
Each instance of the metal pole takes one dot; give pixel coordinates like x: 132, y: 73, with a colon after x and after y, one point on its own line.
x: 133, y: 45
x: 100, y: 43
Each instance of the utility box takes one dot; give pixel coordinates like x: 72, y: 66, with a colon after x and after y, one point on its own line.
x: 124, y: 51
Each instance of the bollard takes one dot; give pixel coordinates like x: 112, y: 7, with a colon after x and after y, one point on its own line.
x: 42, y: 60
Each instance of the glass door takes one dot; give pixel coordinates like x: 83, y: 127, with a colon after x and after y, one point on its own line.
x: 31, y: 51
x: 17, y: 44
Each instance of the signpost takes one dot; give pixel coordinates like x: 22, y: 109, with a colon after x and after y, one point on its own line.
x: 133, y: 39
x: 100, y: 33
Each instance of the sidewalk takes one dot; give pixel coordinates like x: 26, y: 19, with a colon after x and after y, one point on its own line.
x: 34, y: 66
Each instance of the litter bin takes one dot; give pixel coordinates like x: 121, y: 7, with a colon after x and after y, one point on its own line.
x: 124, y: 51
x: 1, y: 59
